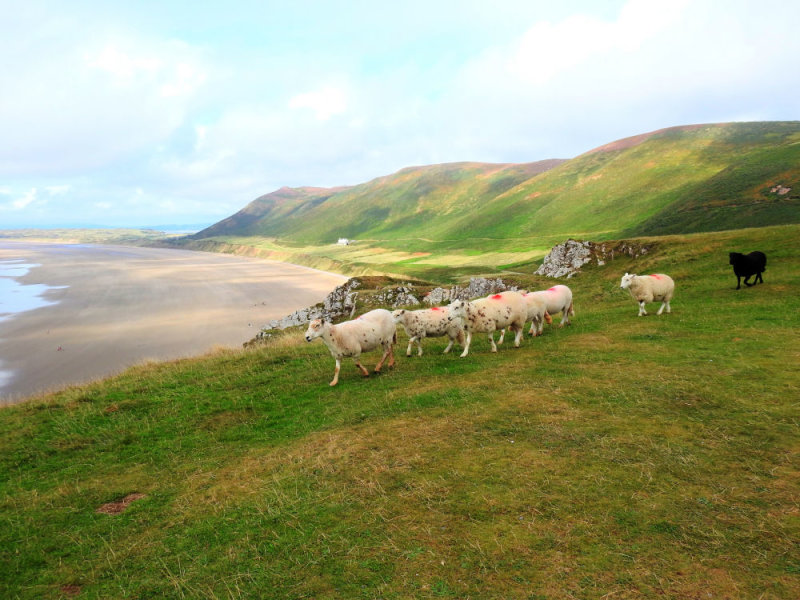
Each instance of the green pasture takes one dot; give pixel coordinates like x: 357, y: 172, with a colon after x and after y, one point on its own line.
x: 621, y: 457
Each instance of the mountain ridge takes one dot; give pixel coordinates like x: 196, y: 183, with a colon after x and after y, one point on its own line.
x: 681, y: 179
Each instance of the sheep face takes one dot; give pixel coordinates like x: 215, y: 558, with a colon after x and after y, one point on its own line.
x: 399, y: 315
x: 458, y: 309
x: 315, y: 329
x: 626, y: 280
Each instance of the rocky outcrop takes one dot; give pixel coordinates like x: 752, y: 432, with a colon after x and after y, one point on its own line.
x: 341, y: 302
x: 565, y: 260
x: 478, y: 286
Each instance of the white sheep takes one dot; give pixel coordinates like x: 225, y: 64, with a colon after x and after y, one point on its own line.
x: 649, y: 288
x: 537, y: 312
x: 429, y: 322
x: 351, y: 338
x: 487, y: 315
x: 557, y: 299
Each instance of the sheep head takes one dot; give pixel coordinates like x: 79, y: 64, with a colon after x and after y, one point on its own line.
x: 626, y: 280
x: 315, y: 329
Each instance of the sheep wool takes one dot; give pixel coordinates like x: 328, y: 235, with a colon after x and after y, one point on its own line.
x: 649, y: 288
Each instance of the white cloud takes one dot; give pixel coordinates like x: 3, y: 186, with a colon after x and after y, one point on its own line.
x: 94, y: 107
x: 20, y: 203
x: 324, y: 103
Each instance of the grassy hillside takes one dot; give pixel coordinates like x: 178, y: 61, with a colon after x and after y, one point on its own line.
x: 694, y: 178
x: 622, y: 457
x: 413, y: 202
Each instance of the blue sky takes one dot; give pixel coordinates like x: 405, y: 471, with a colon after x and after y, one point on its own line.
x: 152, y: 113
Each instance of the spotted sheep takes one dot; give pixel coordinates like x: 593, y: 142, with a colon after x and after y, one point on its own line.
x: 429, y: 322
x: 649, y: 288
x: 351, y: 338
x: 490, y: 314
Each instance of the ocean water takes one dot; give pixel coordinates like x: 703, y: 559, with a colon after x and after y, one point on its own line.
x: 16, y: 297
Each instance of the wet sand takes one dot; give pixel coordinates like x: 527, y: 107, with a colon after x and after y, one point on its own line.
x: 126, y: 305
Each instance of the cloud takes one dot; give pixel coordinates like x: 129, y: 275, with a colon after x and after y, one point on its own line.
x: 100, y: 103
x: 324, y: 103
x: 20, y: 203
x: 83, y: 100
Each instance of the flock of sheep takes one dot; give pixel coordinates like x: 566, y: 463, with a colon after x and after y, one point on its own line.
x: 461, y: 319
x: 497, y: 312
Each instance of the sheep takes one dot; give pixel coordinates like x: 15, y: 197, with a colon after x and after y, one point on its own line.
x: 649, y: 288
x: 747, y: 265
x: 557, y: 299
x: 429, y: 322
x: 537, y: 313
x: 487, y: 315
x: 351, y: 338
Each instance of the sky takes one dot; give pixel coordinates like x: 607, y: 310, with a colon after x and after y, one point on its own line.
x: 156, y: 113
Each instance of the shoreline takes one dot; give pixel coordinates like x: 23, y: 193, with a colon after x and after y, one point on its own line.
x: 118, y: 306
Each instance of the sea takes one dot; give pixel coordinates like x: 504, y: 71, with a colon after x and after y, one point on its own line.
x: 17, y: 297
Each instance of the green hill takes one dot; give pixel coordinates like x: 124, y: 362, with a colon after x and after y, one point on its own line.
x: 621, y: 457
x: 682, y: 179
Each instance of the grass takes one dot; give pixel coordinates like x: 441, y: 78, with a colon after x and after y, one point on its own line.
x: 621, y: 457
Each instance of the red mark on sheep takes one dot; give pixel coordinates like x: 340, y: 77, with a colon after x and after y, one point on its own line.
x: 435, y: 308
x: 497, y: 297
x: 552, y: 289
x: 656, y: 276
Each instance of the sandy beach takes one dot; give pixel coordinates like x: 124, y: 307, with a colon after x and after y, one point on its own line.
x: 115, y: 306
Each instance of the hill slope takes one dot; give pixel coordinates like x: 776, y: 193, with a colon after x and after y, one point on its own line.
x: 682, y: 179
x: 621, y: 457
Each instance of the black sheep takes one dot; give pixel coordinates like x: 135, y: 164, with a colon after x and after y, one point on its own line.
x: 747, y: 265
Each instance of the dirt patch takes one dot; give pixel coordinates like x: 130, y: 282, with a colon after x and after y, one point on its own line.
x: 70, y: 590
x: 114, y: 508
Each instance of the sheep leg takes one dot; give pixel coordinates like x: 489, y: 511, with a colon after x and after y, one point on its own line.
x: 491, y: 339
x: 661, y: 309
x: 410, y: 343
x: 565, y: 315
x: 747, y: 281
x: 419, y: 346
x: 450, y: 345
x: 532, y: 331
x: 336, y: 372
x: 738, y: 282
x: 466, y: 344
x: 518, y: 335
x: 548, y: 318
x: 387, y: 353
x: 642, y: 311
x: 502, y: 336
x: 361, y: 368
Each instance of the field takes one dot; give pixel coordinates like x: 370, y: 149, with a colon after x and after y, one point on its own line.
x: 621, y: 457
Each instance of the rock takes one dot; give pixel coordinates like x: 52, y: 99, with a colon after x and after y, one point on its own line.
x: 567, y: 259
x: 478, y: 286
